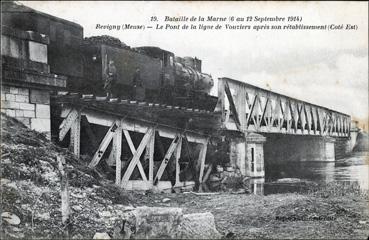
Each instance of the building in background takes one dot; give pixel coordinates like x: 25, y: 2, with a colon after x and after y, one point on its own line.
x: 27, y: 76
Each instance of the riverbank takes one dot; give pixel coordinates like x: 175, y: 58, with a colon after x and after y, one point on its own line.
x: 314, y: 215
x: 30, y: 188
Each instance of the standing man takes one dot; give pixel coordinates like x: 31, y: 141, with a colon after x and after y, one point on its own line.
x: 111, y: 78
x: 138, y: 89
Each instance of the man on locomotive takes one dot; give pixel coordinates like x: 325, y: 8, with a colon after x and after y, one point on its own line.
x: 138, y: 88
x: 111, y: 78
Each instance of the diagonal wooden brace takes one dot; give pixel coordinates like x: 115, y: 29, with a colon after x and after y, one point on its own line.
x: 133, y: 150
x: 136, y: 156
x: 67, y: 123
x: 202, y: 157
x: 104, y: 144
x: 166, y: 159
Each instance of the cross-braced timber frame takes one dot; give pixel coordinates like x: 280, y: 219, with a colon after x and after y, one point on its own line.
x: 255, y: 109
x: 121, y: 126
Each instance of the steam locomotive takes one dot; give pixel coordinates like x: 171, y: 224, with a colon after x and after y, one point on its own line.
x: 162, y: 77
x: 145, y: 74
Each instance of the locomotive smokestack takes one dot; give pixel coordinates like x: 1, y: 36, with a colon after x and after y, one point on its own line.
x: 194, y: 63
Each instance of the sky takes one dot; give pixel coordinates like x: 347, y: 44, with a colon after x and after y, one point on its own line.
x: 328, y: 68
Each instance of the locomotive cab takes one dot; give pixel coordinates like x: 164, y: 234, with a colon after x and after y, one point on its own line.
x: 167, y: 81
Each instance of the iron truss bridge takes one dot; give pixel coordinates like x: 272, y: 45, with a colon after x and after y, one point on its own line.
x: 249, y: 108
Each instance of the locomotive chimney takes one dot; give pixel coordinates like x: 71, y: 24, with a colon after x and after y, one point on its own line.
x: 194, y: 63
x: 198, y: 64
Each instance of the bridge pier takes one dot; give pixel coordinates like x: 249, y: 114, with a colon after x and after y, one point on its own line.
x: 248, y: 155
x: 288, y: 148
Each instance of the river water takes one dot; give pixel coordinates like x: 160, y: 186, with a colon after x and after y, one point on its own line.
x: 296, y: 176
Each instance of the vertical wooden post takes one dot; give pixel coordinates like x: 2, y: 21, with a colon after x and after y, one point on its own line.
x: 202, y: 157
x: 75, y: 135
x: 150, y: 149
x: 117, y: 151
x: 65, y: 209
x: 177, y: 156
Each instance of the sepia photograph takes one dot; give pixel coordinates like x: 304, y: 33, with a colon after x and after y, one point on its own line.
x: 184, y: 120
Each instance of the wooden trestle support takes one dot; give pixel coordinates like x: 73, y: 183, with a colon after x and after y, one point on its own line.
x: 121, y: 126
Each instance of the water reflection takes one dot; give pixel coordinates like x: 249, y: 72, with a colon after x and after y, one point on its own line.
x: 256, y: 186
x: 301, y: 176
x: 296, y: 176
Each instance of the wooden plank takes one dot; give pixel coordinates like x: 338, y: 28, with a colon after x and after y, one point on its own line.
x: 103, y: 145
x: 140, y: 127
x: 117, y: 152
x: 75, y: 135
x: 207, y: 174
x: 202, y: 157
x: 167, y: 157
x: 151, y: 149
x: 65, y: 204
x: 177, y: 157
x: 136, y: 156
x: 129, y: 141
x: 67, y: 123
x: 133, y: 151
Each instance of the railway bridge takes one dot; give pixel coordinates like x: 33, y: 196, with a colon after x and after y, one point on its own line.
x: 279, y: 128
x: 143, y: 144
x: 153, y: 145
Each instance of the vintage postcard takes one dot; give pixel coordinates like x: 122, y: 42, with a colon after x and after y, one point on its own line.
x: 184, y: 120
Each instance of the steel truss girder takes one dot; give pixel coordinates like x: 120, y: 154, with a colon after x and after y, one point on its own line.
x: 286, y: 115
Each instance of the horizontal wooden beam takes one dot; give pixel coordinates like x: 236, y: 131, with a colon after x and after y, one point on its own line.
x: 106, y: 120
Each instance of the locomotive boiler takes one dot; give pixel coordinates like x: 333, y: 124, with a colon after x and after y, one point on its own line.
x: 145, y: 74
